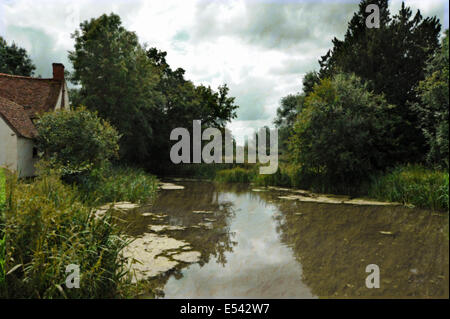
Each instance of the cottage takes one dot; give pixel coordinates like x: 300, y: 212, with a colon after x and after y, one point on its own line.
x: 22, y: 99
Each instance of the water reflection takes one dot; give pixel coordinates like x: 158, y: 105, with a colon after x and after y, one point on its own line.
x: 259, y: 246
x: 335, y: 243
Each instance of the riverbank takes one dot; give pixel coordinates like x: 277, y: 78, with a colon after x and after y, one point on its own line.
x: 411, y: 185
x: 51, y: 224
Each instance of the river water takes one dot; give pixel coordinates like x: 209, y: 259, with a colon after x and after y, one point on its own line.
x: 254, y: 244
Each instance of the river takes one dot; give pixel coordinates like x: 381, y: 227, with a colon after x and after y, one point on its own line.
x: 260, y: 243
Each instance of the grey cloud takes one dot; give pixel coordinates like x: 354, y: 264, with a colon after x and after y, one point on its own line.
x: 275, y: 25
x: 43, y: 51
x: 252, y: 95
x: 296, y: 66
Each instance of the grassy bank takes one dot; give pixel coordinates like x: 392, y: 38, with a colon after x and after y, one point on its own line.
x: 50, y: 224
x: 413, y: 185
x: 116, y: 184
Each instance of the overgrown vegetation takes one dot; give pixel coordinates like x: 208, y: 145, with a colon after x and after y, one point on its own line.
x: 136, y: 90
x: 50, y: 221
x: 411, y: 185
x: 76, y: 141
x: 379, y: 101
x: 48, y: 228
x: 344, y: 133
x: 116, y: 184
x: 414, y: 185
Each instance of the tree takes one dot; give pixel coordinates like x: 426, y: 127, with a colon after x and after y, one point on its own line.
x: 15, y: 60
x: 76, y: 140
x: 118, y: 81
x: 183, y: 103
x: 290, y: 106
x: 391, y: 60
x: 310, y: 79
x: 138, y: 92
x: 344, y: 133
x: 434, y: 105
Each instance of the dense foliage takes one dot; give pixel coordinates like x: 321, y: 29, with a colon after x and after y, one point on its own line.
x: 344, y: 133
x: 49, y: 228
x: 15, y: 60
x: 76, y: 140
x: 108, y: 184
x: 137, y: 91
x: 433, y: 106
x: 392, y: 60
x: 380, y: 100
x: 413, y: 185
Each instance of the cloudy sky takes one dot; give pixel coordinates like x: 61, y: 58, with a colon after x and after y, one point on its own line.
x: 260, y: 48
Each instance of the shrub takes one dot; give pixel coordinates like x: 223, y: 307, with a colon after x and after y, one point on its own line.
x: 416, y: 185
x: 47, y: 229
x: 344, y: 133
x: 76, y: 140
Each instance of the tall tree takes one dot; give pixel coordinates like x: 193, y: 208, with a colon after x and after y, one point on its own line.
x: 138, y: 92
x: 15, y: 60
x: 433, y: 106
x: 390, y: 59
x: 118, y: 81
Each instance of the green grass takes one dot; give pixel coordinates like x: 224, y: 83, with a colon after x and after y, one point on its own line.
x: 234, y: 175
x: 117, y: 184
x: 415, y: 185
x: 47, y: 228
x: 412, y: 185
x: 50, y: 224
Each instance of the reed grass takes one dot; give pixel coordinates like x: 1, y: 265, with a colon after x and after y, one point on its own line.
x: 116, y: 184
x: 414, y: 185
x: 48, y: 227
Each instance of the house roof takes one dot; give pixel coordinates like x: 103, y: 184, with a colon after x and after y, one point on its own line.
x: 16, y: 117
x: 35, y: 95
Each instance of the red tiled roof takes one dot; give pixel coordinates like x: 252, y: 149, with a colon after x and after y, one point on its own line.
x: 16, y: 117
x: 34, y: 94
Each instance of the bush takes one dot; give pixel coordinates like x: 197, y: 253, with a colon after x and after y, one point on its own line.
x: 76, y: 140
x: 344, y: 133
x: 416, y: 185
x: 47, y: 229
